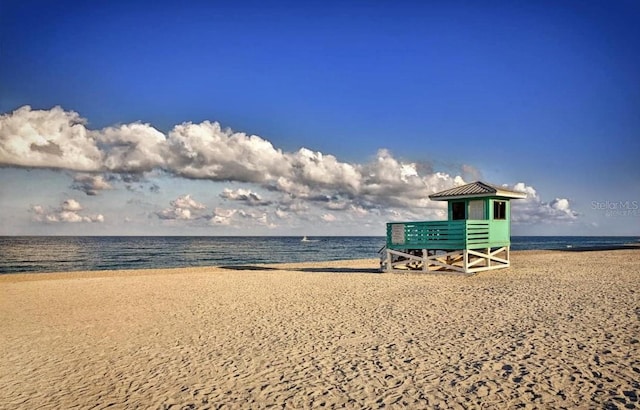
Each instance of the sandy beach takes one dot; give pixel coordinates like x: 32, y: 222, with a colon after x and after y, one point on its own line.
x: 556, y: 330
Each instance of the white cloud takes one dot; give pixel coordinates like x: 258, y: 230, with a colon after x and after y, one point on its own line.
x: 182, y: 208
x: 205, y: 151
x: 68, y: 211
x: 244, y: 195
x: 69, y: 216
x: 532, y: 210
x: 323, y: 171
x: 222, y: 216
x: 90, y: 184
x: 308, y: 182
x: 71, y: 205
x: 389, y: 182
x: 560, y: 204
x: 47, y: 139
x: 132, y: 148
x: 174, y: 213
x: 186, y: 202
x: 240, y: 218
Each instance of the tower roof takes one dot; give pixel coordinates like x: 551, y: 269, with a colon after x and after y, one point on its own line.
x: 476, y: 189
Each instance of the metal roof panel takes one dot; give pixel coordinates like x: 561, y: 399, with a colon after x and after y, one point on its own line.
x: 474, y: 190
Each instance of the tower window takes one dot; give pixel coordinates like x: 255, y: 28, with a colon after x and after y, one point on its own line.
x: 458, y: 210
x: 499, y: 210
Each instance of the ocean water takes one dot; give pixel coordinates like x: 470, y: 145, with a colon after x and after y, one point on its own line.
x: 51, y: 254
x: 48, y: 254
x: 571, y: 242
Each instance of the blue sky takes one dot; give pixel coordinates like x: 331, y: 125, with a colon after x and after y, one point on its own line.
x: 333, y: 118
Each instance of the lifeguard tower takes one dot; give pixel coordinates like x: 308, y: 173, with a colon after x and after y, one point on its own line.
x: 476, y: 236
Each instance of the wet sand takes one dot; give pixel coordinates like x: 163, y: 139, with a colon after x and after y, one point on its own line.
x: 556, y: 330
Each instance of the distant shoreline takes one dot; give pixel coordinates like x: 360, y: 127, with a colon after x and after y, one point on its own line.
x: 330, y: 266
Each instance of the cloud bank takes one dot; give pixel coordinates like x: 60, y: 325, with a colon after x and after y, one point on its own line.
x: 300, y: 180
x: 533, y: 210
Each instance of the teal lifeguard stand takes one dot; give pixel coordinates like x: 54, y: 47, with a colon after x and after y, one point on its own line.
x: 475, y: 237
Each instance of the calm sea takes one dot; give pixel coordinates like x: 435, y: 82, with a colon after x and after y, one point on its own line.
x: 48, y: 254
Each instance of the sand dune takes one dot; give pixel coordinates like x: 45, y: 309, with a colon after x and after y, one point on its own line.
x: 557, y: 330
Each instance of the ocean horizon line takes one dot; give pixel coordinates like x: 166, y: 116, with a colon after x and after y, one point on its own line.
x: 282, y: 236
